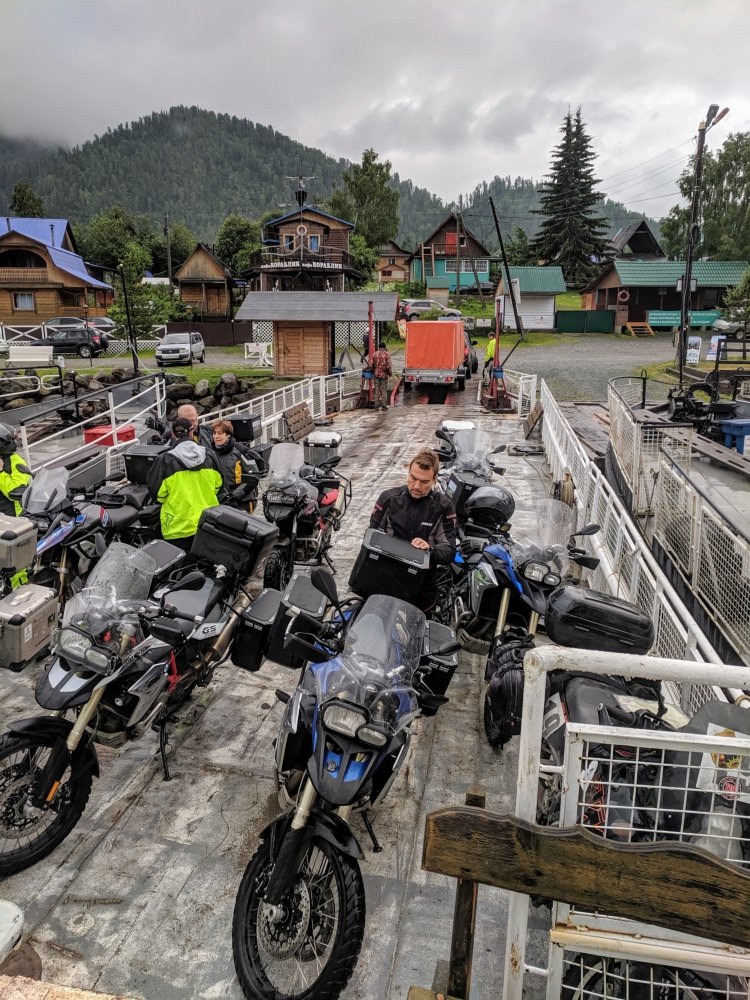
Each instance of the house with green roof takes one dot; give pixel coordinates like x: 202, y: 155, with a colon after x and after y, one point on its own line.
x: 535, y: 289
x: 648, y: 291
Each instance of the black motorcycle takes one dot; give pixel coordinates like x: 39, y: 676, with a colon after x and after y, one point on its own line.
x: 122, y: 663
x: 306, y: 503
x: 299, y: 918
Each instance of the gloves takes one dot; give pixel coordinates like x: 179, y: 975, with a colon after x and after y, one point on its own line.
x: 154, y: 424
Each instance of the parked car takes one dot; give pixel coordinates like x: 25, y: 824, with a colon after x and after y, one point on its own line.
x: 78, y: 340
x: 104, y: 326
x: 730, y: 328
x: 64, y: 323
x: 180, y: 349
x: 414, y: 308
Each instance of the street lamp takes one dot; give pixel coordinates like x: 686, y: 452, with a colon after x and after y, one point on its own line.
x: 713, y: 116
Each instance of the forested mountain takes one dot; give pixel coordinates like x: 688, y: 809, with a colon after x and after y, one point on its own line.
x: 201, y: 167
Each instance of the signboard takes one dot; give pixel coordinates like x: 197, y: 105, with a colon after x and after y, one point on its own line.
x: 484, y: 324
x: 693, y: 354
x: 671, y: 317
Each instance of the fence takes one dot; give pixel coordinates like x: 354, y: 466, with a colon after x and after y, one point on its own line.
x: 594, y: 784
x: 585, y: 320
x: 638, y: 440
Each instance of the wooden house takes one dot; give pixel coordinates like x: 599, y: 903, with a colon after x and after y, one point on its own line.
x: 42, y: 275
x: 393, y: 263
x: 636, y: 241
x: 535, y: 290
x: 304, y: 324
x: 646, y: 291
x: 449, y: 251
x: 205, y: 285
x: 304, y: 250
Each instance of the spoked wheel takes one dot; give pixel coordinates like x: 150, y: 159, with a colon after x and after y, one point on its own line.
x: 308, y: 946
x: 276, y: 574
x: 588, y: 976
x: 27, y: 833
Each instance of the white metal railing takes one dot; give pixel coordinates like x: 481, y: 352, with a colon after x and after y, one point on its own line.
x: 522, y: 388
x: 596, y: 934
x: 50, y: 449
x: 627, y: 568
x: 712, y: 555
x: 638, y: 444
x: 31, y: 383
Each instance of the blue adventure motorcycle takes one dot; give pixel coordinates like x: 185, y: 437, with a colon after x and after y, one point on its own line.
x: 299, y: 918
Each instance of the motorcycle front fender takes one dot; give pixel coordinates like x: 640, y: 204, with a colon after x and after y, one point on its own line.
x: 85, y: 754
x: 327, y: 825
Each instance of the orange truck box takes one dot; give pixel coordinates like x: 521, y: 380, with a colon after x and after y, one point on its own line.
x: 435, y: 352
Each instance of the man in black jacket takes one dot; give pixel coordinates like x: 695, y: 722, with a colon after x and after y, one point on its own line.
x: 420, y: 515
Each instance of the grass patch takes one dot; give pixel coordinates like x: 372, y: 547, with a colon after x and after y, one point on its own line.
x: 568, y: 300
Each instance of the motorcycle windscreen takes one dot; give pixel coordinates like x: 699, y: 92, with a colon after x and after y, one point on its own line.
x: 375, y: 670
x: 47, y: 491
x: 472, y: 448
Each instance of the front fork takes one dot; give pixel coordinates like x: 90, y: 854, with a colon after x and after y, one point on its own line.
x: 62, y: 753
x: 502, y: 616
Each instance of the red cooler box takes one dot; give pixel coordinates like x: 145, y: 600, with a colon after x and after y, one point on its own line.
x: 103, y: 435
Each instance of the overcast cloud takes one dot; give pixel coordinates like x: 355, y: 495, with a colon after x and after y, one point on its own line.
x: 452, y: 94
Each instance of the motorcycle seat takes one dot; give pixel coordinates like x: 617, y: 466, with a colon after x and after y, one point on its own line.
x: 122, y: 517
x: 202, y: 601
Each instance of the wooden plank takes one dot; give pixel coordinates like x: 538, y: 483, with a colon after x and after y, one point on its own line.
x: 669, y: 885
x: 299, y: 421
x: 639, y: 330
x: 464, y: 920
x: 536, y: 414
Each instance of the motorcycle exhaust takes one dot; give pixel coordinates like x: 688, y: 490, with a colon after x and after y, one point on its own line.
x: 220, y: 646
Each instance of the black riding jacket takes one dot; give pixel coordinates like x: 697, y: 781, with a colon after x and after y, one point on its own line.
x: 431, y: 517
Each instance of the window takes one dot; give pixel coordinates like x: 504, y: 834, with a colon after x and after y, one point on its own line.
x: 391, y: 260
x: 288, y: 241
x: 450, y: 265
x: 23, y: 300
x: 314, y: 244
x: 482, y: 266
x: 462, y: 241
x: 386, y: 272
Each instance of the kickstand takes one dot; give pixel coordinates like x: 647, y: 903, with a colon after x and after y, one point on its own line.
x: 368, y: 826
x: 163, y: 744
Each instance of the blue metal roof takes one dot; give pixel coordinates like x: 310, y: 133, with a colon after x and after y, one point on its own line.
x: 38, y: 229
x: 71, y: 263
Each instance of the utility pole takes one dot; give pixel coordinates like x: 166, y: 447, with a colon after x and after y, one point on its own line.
x: 507, y: 282
x: 694, y: 233
x: 169, y: 250
x: 131, y: 334
x: 471, y: 259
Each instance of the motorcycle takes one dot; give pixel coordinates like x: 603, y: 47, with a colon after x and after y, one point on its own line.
x: 466, y: 466
x: 122, y: 663
x: 306, y: 503
x: 299, y: 918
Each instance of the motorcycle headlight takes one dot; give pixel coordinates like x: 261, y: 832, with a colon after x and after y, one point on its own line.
x: 73, y: 644
x: 552, y: 580
x: 371, y: 736
x: 535, y: 571
x: 341, y: 719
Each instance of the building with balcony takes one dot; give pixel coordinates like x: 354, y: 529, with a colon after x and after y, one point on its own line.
x: 304, y: 250
x: 205, y: 285
x: 42, y: 275
x: 393, y: 263
x: 450, y: 256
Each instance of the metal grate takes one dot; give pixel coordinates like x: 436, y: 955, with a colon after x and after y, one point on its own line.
x: 588, y: 977
x: 722, y: 580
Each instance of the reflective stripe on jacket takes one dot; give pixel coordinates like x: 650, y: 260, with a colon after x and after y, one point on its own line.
x: 14, y: 476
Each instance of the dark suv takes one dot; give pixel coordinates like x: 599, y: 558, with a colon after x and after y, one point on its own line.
x: 79, y: 340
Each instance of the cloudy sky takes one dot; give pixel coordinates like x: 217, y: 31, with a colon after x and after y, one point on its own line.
x: 451, y: 93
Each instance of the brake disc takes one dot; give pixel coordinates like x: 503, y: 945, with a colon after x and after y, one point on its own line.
x: 284, y: 938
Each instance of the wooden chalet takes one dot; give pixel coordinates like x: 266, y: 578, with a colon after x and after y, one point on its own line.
x: 304, y: 250
x: 448, y: 251
x: 393, y: 263
x: 646, y: 291
x: 304, y: 324
x: 205, y: 285
x: 42, y: 275
x: 636, y: 242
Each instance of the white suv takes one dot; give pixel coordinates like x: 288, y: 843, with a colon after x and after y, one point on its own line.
x: 180, y: 349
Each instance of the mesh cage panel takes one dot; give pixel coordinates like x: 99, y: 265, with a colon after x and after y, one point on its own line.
x: 588, y: 977
x: 722, y: 581
x: 675, y: 513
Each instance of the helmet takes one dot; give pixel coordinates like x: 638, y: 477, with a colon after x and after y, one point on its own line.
x: 7, y: 440
x: 490, y: 507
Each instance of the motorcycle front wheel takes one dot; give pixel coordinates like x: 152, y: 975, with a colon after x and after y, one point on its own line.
x: 28, y: 834
x: 312, y: 946
x: 276, y: 574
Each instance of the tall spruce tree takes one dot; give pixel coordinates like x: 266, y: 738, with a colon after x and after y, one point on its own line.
x: 572, y: 234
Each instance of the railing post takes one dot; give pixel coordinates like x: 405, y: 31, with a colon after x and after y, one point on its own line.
x: 112, y: 418
x: 464, y: 920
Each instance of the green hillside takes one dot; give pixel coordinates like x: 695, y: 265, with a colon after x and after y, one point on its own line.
x: 201, y: 166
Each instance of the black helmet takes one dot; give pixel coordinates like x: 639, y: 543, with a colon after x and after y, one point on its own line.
x: 490, y: 507
x: 7, y: 440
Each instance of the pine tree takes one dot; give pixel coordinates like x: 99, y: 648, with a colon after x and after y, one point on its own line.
x: 571, y: 235
x: 518, y: 250
x: 25, y: 203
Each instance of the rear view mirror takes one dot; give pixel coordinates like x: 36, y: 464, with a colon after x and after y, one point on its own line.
x: 587, y: 529
x: 322, y: 579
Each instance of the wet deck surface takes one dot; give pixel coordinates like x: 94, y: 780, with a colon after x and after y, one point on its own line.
x: 139, y: 899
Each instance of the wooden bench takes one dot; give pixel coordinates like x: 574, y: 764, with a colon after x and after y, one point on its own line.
x: 299, y: 421
x: 259, y: 355
x: 664, y: 884
x: 735, y: 432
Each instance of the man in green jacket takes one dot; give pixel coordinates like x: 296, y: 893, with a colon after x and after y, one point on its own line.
x: 185, y: 481
x: 14, y: 475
